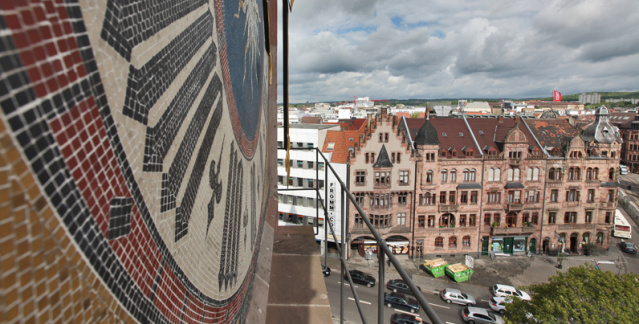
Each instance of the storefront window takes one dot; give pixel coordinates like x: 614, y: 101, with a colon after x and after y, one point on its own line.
x: 519, y: 244
x: 498, y: 245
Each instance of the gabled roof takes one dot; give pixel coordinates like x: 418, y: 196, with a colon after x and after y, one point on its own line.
x: 492, y: 132
x: 343, y: 140
x: 383, y: 161
x: 553, y: 133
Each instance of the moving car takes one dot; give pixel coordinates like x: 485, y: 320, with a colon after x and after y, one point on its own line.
x: 400, y: 300
x: 507, y: 291
x: 498, y: 304
x: 326, y: 270
x: 361, y: 278
x: 480, y: 315
x: 628, y: 247
x: 398, y: 285
x: 401, y: 318
x: 451, y: 295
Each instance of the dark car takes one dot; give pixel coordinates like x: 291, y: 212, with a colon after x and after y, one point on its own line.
x: 398, y: 285
x: 628, y: 247
x: 400, y: 300
x: 326, y: 270
x: 361, y: 278
x: 400, y: 318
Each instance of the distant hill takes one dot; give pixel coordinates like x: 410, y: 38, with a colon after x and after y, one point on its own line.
x: 604, y: 95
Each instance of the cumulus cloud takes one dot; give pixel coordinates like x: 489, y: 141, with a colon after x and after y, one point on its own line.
x: 438, y: 49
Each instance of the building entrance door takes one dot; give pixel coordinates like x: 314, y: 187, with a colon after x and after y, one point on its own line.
x: 531, y: 245
x: 573, y: 243
x: 508, y: 245
x: 484, y: 245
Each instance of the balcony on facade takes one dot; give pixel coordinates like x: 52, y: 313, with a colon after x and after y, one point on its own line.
x: 448, y: 208
x: 523, y: 230
x: 515, y: 206
x: 515, y: 162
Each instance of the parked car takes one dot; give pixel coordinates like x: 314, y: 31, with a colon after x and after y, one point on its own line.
x: 498, y: 304
x: 398, y: 285
x: 480, y: 315
x: 401, y: 318
x: 326, y: 270
x: 506, y: 291
x: 451, y: 295
x: 361, y: 278
x: 628, y: 247
x: 623, y: 169
x: 400, y: 300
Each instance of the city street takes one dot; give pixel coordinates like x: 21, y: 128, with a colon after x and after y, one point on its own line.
x: 517, y: 271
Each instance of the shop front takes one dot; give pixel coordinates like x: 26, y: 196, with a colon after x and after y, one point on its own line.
x: 509, y: 244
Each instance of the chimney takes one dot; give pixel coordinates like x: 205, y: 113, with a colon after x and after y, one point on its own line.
x: 500, y: 119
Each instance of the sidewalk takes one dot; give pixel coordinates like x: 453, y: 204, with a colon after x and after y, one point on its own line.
x: 518, y: 271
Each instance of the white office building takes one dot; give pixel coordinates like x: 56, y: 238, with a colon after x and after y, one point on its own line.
x: 298, y: 201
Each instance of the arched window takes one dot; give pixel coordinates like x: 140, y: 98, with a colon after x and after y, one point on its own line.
x: 497, y: 174
x: 453, y: 175
x: 452, y: 242
x: 444, y: 176
x: 469, y: 175
x: 466, y: 241
x: 600, y: 237
x: 554, y: 174
x: 595, y: 174
x: 439, y: 242
x: 589, y: 174
x: 429, y: 176
x: 535, y: 174
x: 447, y: 220
x: 586, y: 238
x: 611, y: 174
x: 491, y: 174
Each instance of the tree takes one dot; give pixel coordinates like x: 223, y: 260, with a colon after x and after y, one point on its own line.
x: 582, y: 295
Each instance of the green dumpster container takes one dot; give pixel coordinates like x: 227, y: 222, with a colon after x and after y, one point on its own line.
x: 435, y: 267
x: 459, y: 272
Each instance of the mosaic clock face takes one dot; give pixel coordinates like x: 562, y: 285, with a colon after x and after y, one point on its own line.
x: 151, y: 130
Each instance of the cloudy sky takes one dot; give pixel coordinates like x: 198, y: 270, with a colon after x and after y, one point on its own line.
x: 431, y: 49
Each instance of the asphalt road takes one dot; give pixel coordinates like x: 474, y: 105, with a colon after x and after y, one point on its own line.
x: 448, y: 313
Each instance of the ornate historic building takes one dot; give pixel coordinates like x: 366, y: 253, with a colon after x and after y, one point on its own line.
x: 506, y: 185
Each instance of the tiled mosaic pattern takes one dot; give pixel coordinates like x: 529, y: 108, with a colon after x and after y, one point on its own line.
x: 133, y: 160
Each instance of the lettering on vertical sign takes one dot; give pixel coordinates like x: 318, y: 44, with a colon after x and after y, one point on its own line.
x: 331, y: 204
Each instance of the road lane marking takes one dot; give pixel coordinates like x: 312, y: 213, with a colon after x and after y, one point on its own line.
x: 439, y: 305
x: 347, y: 284
x: 361, y: 301
x: 484, y: 300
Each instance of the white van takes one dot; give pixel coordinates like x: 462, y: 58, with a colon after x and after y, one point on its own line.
x: 623, y: 169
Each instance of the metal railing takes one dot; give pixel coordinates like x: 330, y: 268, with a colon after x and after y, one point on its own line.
x: 383, y: 249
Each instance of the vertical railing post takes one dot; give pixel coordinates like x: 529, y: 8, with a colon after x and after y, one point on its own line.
x: 380, y: 285
x: 341, y: 295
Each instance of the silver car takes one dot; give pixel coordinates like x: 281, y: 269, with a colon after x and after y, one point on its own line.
x: 480, y: 315
x: 451, y: 295
x: 498, y: 304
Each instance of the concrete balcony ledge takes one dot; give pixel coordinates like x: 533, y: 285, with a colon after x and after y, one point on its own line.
x: 297, y: 292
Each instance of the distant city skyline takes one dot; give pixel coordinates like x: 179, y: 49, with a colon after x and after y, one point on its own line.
x: 458, y: 49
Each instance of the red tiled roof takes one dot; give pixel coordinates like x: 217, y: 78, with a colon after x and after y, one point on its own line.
x: 343, y: 142
x: 553, y: 132
x: 490, y: 131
